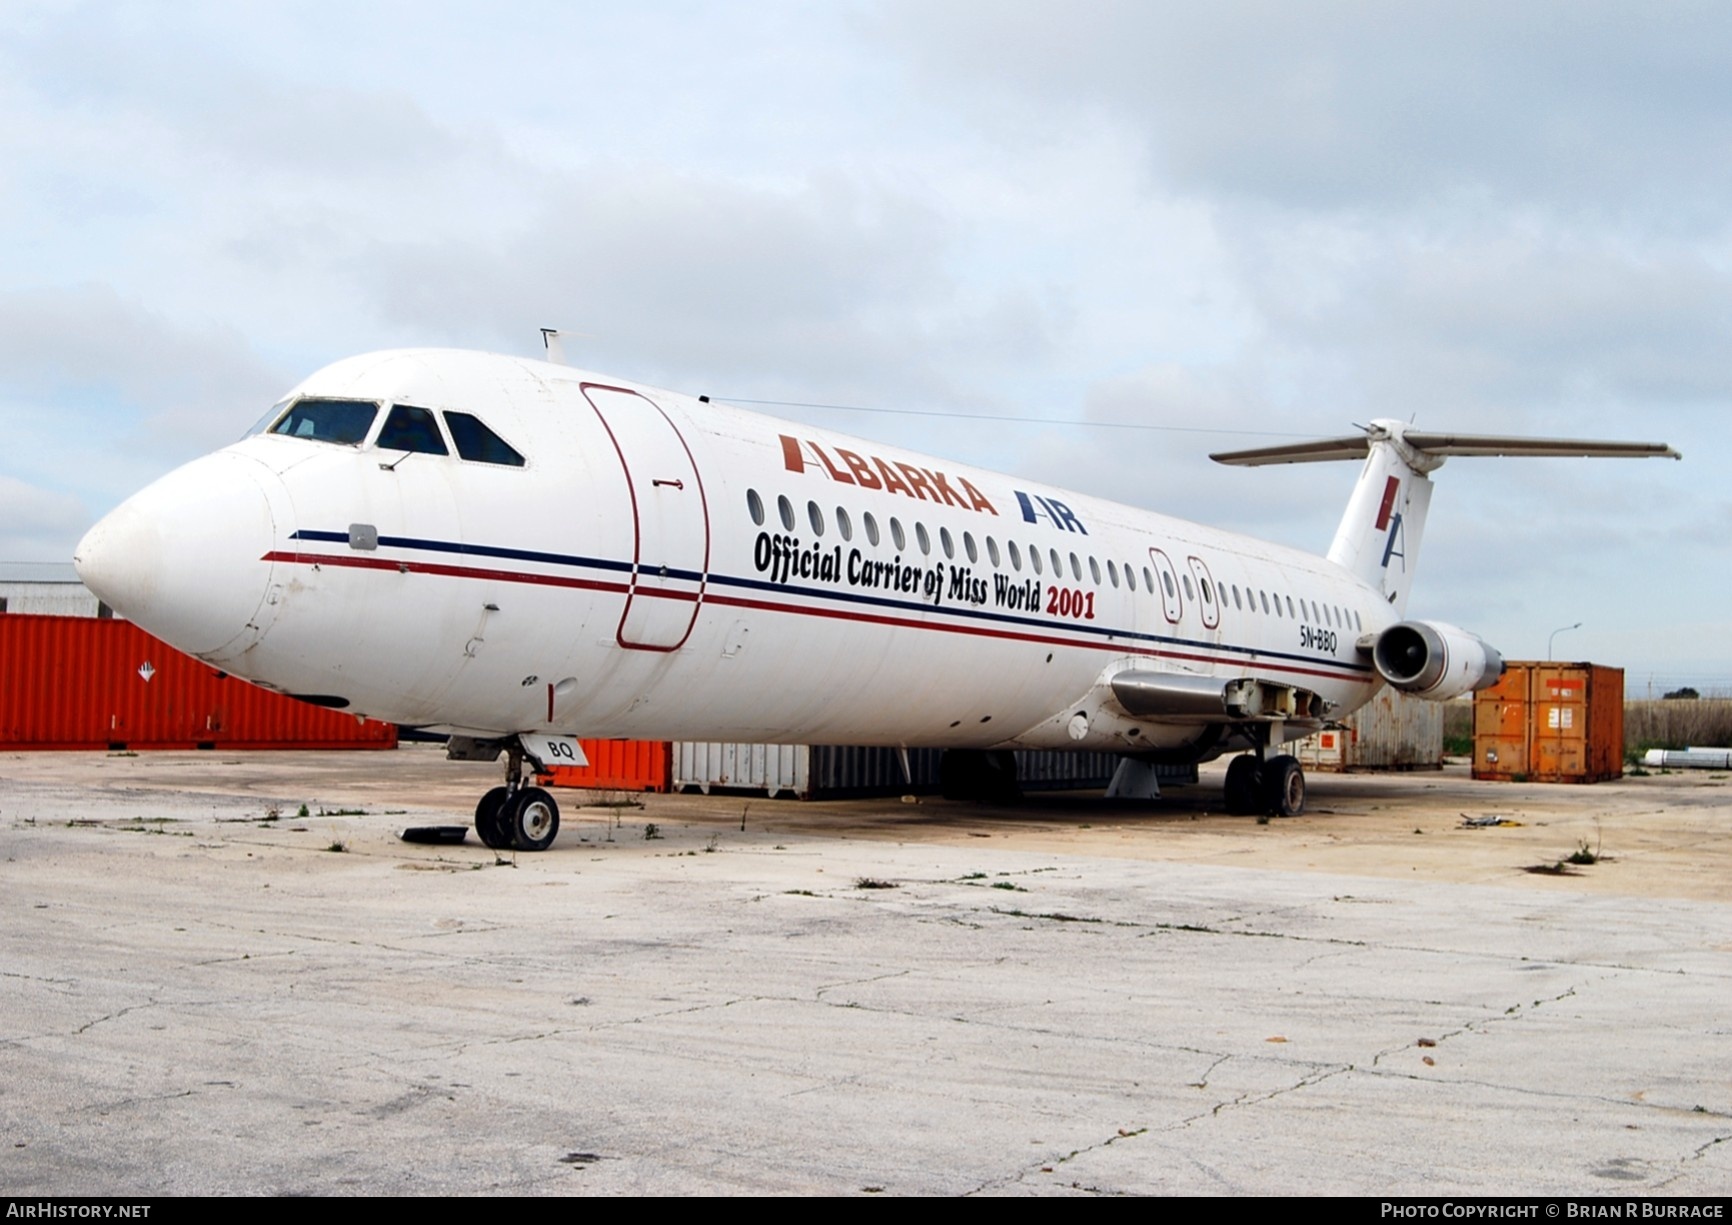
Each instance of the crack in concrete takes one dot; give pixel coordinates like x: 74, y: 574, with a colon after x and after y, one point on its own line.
x: 1700, y: 1152
x: 1052, y: 1166
x: 1154, y: 929
x: 38, y: 978
x: 1209, y: 1071
x: 1482, y: 1026
x: 127, y: 1102
x: 818, y: 993
x: 112, y: 1016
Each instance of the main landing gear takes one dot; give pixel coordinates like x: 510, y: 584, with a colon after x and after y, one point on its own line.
x: 515, y: 817
x: 1275, y: 787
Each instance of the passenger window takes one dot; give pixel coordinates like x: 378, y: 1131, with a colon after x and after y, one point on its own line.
x: 785, y: 509
x: 1149, y: 579
x: 1265, y: 596
x: 755, y: 505
x: 1190, y: 594
x: 341, y: 421
x: 1057, y: 565
x: 1075, y: 568
x: 968, y: 547
x: 843, y: 525
x: 871, y: 528
x: 1113, y: 571
x: 992, y: 551
x: 1034, y: 560
x: 922, y: 538
x: 948, y: 544
x: 1095, y: 571
x: 412, y: 429
x: 1167, y: 582
x: 896, y: 534
x: 1015, y: 555
x: 478, y: 443
x: 815, y: 517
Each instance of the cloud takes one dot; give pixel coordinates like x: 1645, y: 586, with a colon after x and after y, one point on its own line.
x: 822, y: 284
x: 1349, y: 106
x: 144, y: 380
x: 38, y: 524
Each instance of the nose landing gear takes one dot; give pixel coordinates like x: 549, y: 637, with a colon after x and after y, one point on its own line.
x: 515, y: 817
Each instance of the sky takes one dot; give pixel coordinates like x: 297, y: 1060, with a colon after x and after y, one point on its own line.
x: 1233, y: 224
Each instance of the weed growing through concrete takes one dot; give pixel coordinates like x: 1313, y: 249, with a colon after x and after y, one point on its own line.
x: 338, y: 845
x: 651, y: 832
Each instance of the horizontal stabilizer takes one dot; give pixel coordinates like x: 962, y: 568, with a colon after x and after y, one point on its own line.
x: 1569, y: 448
x: 1355, y: 447
x: 1442, y: 446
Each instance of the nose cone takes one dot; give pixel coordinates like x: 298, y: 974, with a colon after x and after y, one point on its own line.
x: 188, y: 557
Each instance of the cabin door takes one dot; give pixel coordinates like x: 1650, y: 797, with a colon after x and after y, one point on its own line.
x: 671, y: 558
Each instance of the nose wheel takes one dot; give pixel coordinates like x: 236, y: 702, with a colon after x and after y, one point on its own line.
x: 489, y: 824
x: 515, y: 817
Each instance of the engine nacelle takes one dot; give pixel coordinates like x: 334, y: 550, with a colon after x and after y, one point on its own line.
x: 1436, y: 661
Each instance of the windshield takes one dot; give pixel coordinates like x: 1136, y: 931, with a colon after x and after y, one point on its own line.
x: 342, y: 421
x: 263, y: 423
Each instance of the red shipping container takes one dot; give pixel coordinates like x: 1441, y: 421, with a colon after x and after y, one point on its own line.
x: 85, y: 683
x: 616, y: 765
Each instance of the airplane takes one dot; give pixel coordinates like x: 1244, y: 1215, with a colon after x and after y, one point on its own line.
x: 516, y: 553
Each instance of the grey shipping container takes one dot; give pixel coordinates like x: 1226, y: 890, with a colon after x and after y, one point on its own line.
x: 836, y: 771
x: 1394, y: 731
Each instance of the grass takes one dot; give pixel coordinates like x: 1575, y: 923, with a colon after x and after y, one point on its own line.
x: 1676, y: 724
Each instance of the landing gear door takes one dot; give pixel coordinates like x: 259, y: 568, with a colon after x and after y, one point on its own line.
x: 671, y: 561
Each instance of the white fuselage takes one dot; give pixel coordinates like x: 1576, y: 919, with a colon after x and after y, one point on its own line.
x: 666, y: 568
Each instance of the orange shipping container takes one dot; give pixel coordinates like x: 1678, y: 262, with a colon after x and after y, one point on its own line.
x: 616, y: 765
x: 84, y: 683
x: 1551, y: 723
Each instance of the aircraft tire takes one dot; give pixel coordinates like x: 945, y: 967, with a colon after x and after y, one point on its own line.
x: 1283, y: 787
x: 959, y: 774
x: 493, y: 832
x: 1243, y: 790
x: 532, y: 819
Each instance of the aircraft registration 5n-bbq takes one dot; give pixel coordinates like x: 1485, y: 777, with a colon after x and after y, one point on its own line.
x: 519, y: 553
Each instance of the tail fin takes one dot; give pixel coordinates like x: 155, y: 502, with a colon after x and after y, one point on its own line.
x: 1378, y: 539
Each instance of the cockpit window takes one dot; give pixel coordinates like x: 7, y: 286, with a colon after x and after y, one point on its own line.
x: 475, y: 441
x: 264, y: 422
x: 412, y: 429
x: 343, y: 421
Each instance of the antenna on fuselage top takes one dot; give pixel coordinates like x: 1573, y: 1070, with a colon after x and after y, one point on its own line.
x: 555, y: 350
